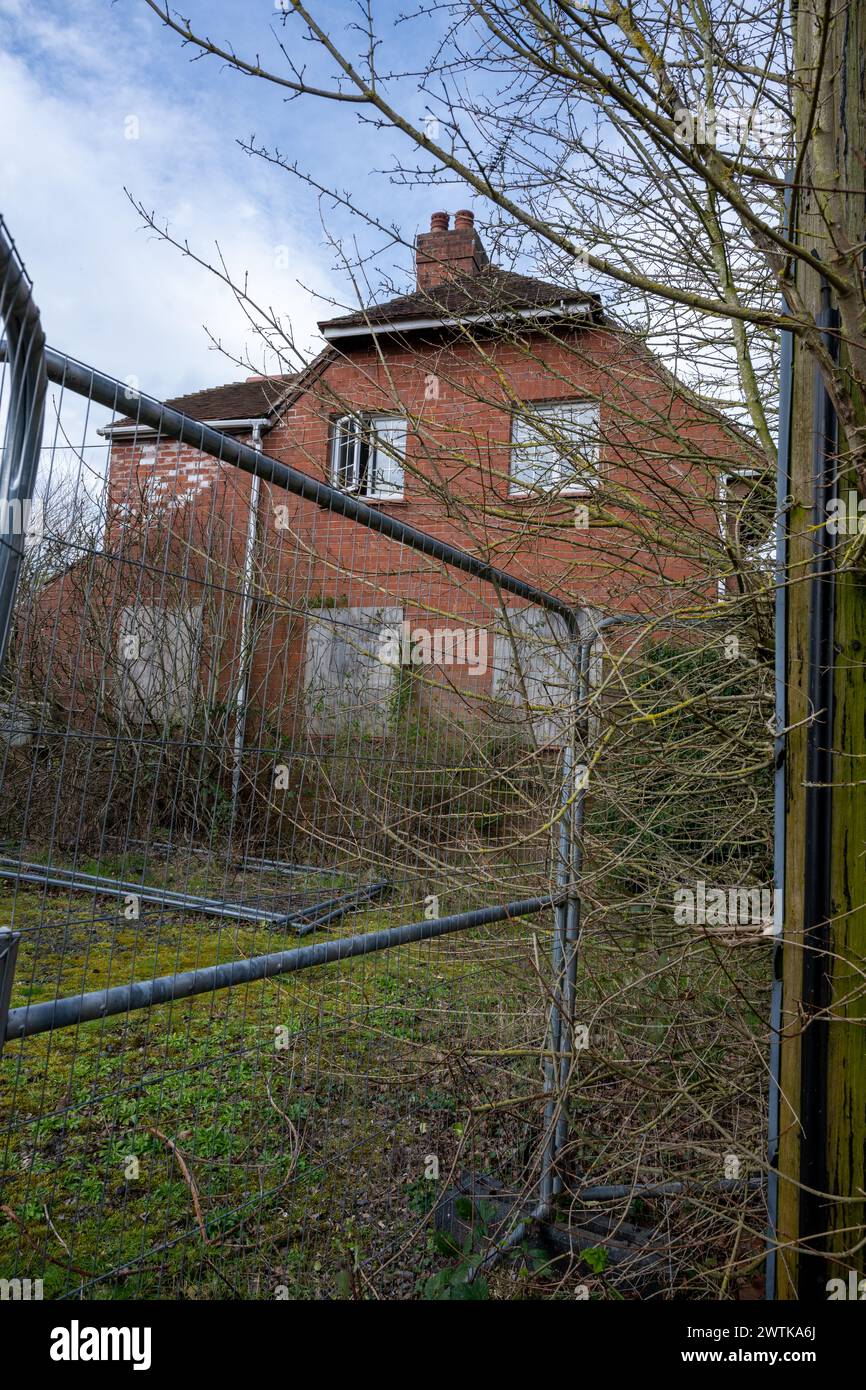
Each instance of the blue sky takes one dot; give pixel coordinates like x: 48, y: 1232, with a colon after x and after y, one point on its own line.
x: 77, y: 81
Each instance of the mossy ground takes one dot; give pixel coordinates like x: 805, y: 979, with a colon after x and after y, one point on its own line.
x: 264, y: 1140
x: 275, y: 1139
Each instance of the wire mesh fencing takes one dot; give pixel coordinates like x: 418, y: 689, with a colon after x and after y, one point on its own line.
x: 226, y: 729
x: 304, y: 813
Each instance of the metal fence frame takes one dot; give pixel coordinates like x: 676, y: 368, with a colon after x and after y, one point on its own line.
x: 31, y: 1019
x: 30, y: 366
x: 24, y: 352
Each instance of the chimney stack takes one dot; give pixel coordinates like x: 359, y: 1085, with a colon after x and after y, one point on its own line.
x: 440, y: 254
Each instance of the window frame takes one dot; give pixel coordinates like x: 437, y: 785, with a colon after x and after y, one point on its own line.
x: 520, y: 491
x: 361, y: 427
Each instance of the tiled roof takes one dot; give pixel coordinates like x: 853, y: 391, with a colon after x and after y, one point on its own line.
x: 239, y: 400
x: 490, y: 291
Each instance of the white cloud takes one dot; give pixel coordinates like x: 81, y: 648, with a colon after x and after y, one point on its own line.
x: 110, y: 293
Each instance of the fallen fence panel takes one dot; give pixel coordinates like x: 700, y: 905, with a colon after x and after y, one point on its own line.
x: 50, y: 876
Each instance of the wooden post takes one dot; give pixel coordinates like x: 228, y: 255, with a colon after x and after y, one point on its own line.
x: 823, y: 1052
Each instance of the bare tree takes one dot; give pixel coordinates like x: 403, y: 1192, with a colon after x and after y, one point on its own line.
x: 702, y: 164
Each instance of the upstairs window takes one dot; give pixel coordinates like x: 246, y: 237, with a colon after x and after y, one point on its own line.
x: 367, y: 453
x: 554, y: 447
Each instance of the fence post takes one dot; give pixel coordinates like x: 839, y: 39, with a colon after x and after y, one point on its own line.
x: 566, y: 935
x: 24, y: 351
x: 574, y: 865
x: 8, y: 955
x: 554, y: 1026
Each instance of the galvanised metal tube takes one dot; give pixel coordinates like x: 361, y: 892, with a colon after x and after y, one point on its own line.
x: 566, y: 937
x: 607, y: 1193
x: 113, y: 394
x: 25, y: 410
x: 573, y: 903
x: 11, y: 867
x: 9, y: 943
x: 245, y: 650
x: 330, y: 911
x: 611, y: 1191
x: 25, y: 1022
x: 48, y: 877
x: 548, y: 1159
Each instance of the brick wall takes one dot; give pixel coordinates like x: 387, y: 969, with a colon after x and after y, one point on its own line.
x: 659, y: 459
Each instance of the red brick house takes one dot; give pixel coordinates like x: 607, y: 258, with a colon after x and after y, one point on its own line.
x: 505, y: 414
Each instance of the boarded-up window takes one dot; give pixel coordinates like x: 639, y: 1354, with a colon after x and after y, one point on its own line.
x: 347, y: 684
x: 158, y: 659
x: 535, y: 671
x: 16, y: 724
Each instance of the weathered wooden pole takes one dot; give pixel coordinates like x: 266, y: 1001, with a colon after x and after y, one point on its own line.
x: 821, y: 1226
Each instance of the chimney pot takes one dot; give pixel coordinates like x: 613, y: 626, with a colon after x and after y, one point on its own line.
x: 441, y: 254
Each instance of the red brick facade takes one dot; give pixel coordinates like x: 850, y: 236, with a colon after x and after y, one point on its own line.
x: 634, y: 543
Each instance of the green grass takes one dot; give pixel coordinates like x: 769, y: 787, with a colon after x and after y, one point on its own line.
x: 299, y: 1157
x: 195, y: 1151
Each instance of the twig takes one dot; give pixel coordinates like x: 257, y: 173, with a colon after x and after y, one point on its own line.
x: 187, y: 1177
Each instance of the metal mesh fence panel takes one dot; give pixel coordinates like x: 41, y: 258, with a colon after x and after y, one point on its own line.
x: 304, y: 812
x: 233, y: 719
